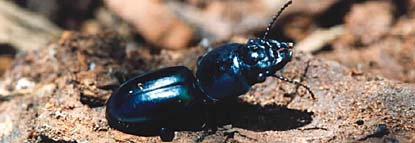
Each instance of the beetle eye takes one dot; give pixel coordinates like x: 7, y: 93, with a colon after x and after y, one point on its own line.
x: 285, y: 54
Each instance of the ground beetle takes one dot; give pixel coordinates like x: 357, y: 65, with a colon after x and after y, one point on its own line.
x: 173, y: 99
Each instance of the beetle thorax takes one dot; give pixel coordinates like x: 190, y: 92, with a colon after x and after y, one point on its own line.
x: 263, y: 57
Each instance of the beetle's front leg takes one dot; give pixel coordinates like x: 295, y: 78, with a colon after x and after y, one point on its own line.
x: 296, y: 83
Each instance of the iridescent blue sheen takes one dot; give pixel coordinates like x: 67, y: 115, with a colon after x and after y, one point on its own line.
x: 154, y: 100
x: 220, y: 73
x: 231, y: 70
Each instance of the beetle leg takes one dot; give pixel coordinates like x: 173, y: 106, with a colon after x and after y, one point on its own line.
x: 210, y: 120
x: 211, y: 117
x: 166, y: 135
x: 296, y: 83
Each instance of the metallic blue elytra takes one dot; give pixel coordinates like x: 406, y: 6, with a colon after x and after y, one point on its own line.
x: 173, y: 99
x: 146, y: 103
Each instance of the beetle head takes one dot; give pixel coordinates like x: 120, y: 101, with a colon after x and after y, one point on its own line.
x: 263, y: 57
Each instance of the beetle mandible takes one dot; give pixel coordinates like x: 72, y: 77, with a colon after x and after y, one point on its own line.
x: 173, y: 99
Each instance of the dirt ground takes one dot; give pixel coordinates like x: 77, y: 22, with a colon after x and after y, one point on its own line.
x: 358, y: 58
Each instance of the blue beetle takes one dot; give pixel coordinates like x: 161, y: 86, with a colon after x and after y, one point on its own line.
x: 173, y: 99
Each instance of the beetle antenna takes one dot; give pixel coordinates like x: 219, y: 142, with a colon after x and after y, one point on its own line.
x: 296, y: 83
x: 274, y: 18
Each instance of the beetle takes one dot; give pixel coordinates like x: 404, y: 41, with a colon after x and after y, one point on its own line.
x: 173, y: 99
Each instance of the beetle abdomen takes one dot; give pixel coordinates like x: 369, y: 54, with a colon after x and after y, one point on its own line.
x: 153, y: 100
